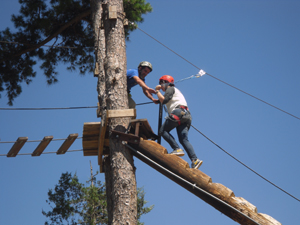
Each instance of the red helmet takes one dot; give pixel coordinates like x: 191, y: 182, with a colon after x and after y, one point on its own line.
x: 166, y: 79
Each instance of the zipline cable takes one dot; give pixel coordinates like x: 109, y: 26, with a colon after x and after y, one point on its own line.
x: 58, y: 108
x: 216, y: 77
x: 241, y: 161
x: 245, y: 165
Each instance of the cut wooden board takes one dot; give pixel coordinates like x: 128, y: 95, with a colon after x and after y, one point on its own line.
x: 13, y: 152
x: 42, y: 146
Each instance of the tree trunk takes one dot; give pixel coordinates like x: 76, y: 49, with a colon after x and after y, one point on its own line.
x: 112, y: 85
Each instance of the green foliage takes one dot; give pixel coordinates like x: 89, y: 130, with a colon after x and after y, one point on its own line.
x: 55, y: 23
x: 74, y: 203
x: 140, y: 205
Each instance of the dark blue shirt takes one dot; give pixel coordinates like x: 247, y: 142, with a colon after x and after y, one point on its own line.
x: 130, y: 81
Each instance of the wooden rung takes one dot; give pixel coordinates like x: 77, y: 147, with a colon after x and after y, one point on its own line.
x: 42, y: 146
x: 67, y: 143
x: 121, y: 113
x: 13, y: 152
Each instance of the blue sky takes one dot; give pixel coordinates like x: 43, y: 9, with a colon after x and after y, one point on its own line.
x: 252, y: 45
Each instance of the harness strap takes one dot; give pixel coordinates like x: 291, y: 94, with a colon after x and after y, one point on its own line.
x: 176, y: 118
x: 183, y: 107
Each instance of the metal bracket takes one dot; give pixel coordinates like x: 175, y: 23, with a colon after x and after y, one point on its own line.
x: 126, y: 137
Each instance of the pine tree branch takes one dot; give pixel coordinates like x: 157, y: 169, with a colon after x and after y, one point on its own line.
x: 60, y: 30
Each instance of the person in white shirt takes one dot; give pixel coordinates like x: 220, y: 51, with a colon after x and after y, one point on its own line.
x: 179, y: 117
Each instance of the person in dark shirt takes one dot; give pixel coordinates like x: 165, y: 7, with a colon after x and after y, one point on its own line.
x: 137, y: 76
x: 179, y: 117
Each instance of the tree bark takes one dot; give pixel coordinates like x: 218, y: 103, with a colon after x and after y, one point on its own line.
x: 112, y: 85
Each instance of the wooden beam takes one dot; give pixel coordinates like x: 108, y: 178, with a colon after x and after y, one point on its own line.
x: 67, y: 143
x: 13, y: 152
x: 101, y: 139
x: 42, y: 146
x: 117, y: 112
x: 217, y: 195
x: 137, y: 129
x: 121, y: 113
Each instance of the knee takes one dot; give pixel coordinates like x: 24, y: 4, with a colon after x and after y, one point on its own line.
x: 160, y: 132
x: 183, y: 139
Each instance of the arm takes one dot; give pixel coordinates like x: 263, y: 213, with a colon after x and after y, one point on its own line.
x: 167, y: 96
x: 147, y: 91
x: 161, y: 98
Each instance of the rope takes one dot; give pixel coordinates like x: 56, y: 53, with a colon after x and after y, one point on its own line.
x: 240, y: 161
x: 245, y: 165
x: 57, y: 108
x: 79, y: 150
x: 218, y: 78
x: 80, y: 107
x: 57, y: 139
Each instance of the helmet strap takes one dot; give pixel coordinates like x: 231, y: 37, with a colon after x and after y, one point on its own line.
x: 165, y: 85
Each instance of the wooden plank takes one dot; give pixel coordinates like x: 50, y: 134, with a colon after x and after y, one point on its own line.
x: 91, y: 126
x: 121, y: 113
x: 137, y: 129
x: 92, y: 148
x: 94, y: 144
x: 42, y: 146
x: 13, y: 152
x: 90, y: 152
x: 67, y: 143
x: 101, y: 140
x: 113, y: 113
x: 90, y: 139
x: 144, y: 129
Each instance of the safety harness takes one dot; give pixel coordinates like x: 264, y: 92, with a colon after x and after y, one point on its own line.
x: 183, y: 113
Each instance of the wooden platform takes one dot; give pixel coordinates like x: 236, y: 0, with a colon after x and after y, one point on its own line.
x: 91, y: 134
x: 96, y: 143
x: 90, y: 138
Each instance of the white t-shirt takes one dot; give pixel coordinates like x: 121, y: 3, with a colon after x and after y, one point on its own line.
x: 173, y: 98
